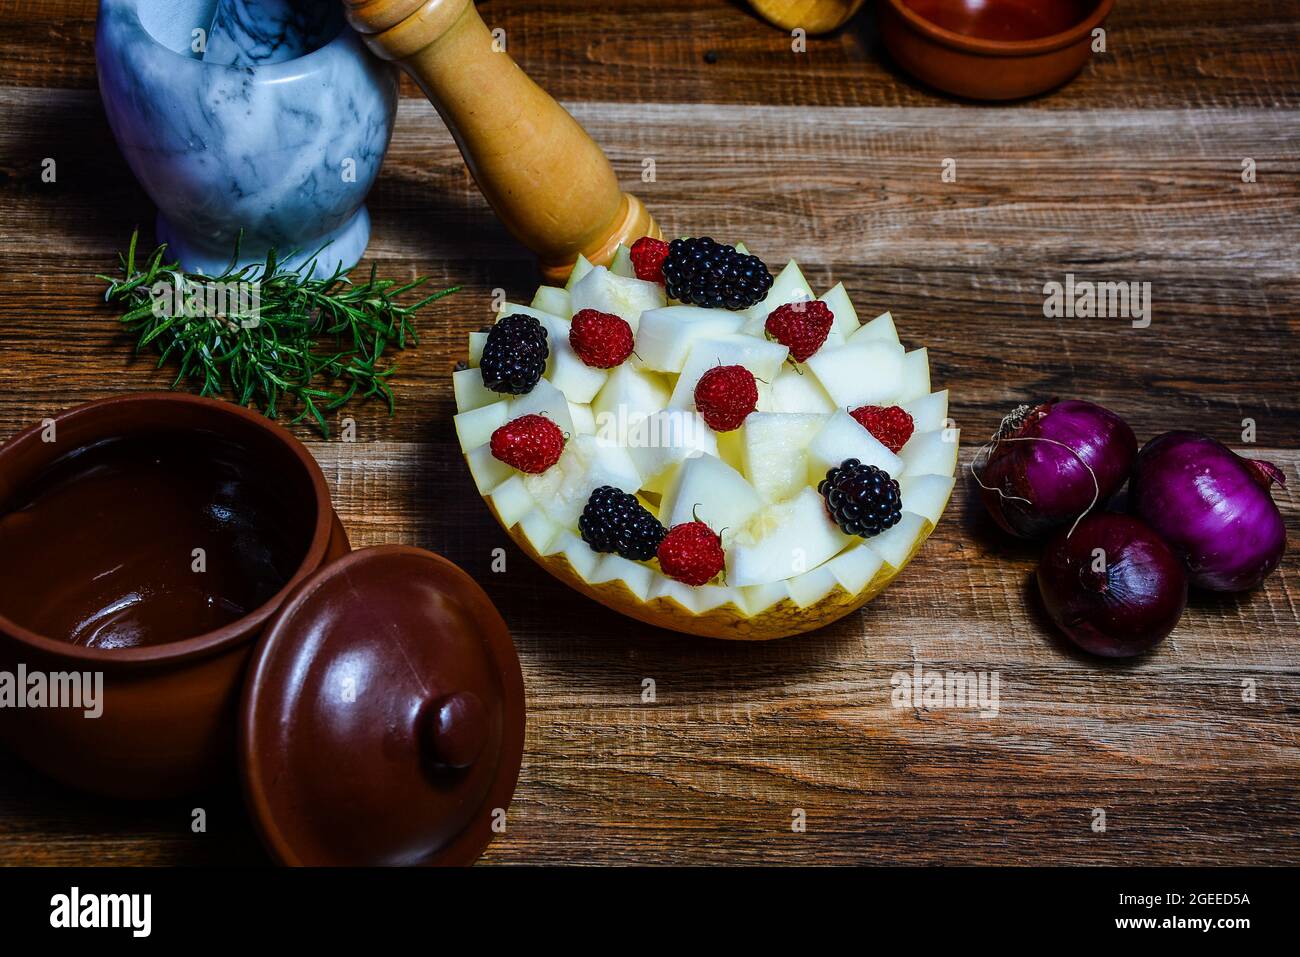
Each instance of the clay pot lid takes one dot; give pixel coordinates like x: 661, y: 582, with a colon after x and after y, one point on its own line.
x: 382, y: 721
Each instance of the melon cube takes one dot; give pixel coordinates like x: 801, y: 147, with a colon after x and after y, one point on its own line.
x: 784, y: 540
x: 914, y: 381
x: 662, y: 441
x: 470, y: 391
x: 866, y: 373
x: 881, y: 328
x: 584, y: 422
x: 812, y: 586
x: 621, y: 264
x: 488, y: 471
x: 538, y: 530
x: 637, y: 577
x: 708, y: 488
x: 846, y: 317
x: 665, y: 335
x: 895, y: 545
x: 475, y: 427
x: 926, y: 495
x: 773, y: 451
x: 929, y: 412
x: 855, y: 568
x: 477, y: 340
x: 512, y: 500
x: 842, y: 437
x: 931, y: 453
x: 759, y: 598
x: 626, y: 398
x: 795, y: 390
x: 579, y: 554
x: 627, y: 298
x: 554, y: 300
x: 581, y: 266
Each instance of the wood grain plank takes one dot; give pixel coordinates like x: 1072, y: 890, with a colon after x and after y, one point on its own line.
x: 1195, y: 53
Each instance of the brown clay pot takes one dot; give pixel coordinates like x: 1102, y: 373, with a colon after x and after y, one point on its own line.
x: 169, y: 709
x: 999, y: 50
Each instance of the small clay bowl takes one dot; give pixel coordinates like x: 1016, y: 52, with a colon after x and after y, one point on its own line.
x: 168, y: 721
x: 991, y: 49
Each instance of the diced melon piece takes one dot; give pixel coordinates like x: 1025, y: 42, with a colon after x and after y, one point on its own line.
x: 538, y: 530
x: 855, y: 568
x: 488, y: 471
x: 470, y: 391
x: 784, y: 540
x: 846, y: 317
x: 475, y: 427
x: 708, y: 597
x: 546, y: 400
x: 554, y: 300
x: 579, y: 553
x: 665, y: 335
x: 788, y: 286
x: 710, y: 489
x: 581, y: 267
x: 731, y: 448
x: 586, y: 464
x: 604, y: 291
x: 915, y: 379
x: 811, y: 587
x: 477, y: 340
x: 929, y: 412
x: 759, y: 356
x: 866, y: 373
x: 742, y: 248
x: 584, y: 421
x: 773, y: 454
x: 662, y: 441
x: 613, y: 567
x: 627, y: 397
x: 621, y: 264
x: 796, y: 390
x: 759, y: 598
x: 842, y: 437
x: 893, y: 545
x: 926, y: 495
x: 880, y: 328
x: 931, y: 453
x: 512, y: 500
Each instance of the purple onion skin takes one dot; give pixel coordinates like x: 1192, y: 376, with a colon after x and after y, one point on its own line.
x: 1128, y: 608
x: 1054, y: 480
x: 1213, y: 508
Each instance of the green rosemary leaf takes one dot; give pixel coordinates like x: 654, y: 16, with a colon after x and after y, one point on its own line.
x: 313, y: 345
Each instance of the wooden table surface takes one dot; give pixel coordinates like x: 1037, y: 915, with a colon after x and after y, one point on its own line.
x: 1133, y: 172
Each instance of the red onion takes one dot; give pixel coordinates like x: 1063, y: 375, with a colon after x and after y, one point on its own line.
x: 1050, y: 465
x: 1112, y: 585
x: 1213, y: 508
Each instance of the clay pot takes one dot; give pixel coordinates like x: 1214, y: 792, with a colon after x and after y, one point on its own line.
x: 168, y: 724
x: 996, y: 50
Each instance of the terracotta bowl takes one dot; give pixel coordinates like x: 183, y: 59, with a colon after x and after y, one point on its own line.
x: 991, y: 49
x: 168, y: 722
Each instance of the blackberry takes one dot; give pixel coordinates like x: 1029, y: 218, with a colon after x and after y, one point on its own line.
x: 702, y: 272
x: 514, y: 355
x: 862, y: 499
x: 614, y: 521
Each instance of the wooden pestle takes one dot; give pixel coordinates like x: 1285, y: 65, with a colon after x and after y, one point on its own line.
x: 815, y: 16
x: 546, y: 178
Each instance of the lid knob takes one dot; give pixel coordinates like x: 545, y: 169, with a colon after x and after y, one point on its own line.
x: 456, y: 729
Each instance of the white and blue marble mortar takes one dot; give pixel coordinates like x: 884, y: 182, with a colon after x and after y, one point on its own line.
x: 285, y: 151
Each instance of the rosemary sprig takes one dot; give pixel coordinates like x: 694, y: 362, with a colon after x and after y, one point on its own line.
x: 305, y: 345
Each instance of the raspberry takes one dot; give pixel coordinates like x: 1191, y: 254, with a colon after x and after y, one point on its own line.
x: 614, y: 521
x: 861, y: 499
x: 891, y: 426
x: 600, y: 339
x: 692, y: 553
x: 530, y: 443
x: 648, y: 257
x: 514, y: 355
x: 801, y: 326
x: 702, y: 272
x: 725, y: 395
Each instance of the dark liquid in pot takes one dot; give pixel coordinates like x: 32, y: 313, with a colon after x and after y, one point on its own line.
x: 1007, y: 20
x: 100, y: 549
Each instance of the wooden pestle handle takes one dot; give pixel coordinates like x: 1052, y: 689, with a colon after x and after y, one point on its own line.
x: 815, y: 16
x: 546, y: 178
